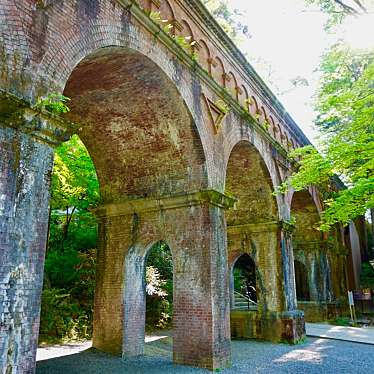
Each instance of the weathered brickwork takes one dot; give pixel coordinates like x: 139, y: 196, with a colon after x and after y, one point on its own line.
x: 320, y: 261
x: 169, y: 132
x: 194, y: 228
x: 25, y: 170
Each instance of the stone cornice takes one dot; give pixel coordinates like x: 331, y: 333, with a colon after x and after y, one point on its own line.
x: 146, y: 205
x: 272, y: 226
x: 256, y: 227
x: 40, y: 124
x: 318, y: 245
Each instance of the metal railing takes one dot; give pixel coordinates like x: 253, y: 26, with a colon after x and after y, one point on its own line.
x: 250, y: 302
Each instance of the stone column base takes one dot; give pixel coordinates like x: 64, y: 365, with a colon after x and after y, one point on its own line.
x: 283, y: 327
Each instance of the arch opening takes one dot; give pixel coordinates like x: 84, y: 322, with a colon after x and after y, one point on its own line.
x: 248, y: 180
x: 249, y: 225
x: 312, y: 256
x: 253, y: 233
x: 159, y: 287
x: 244, y: 284
x: 70, y: 263
x: 306, y: 216
x: 302, y: 282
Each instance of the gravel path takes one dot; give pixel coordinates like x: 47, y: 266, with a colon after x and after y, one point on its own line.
x: 320, y: 356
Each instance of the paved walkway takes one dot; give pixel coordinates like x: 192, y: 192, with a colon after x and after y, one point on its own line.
x: 352, y: 334
x: 314, y: 356
x: 61, y: 350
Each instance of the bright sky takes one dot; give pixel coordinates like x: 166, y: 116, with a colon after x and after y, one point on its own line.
x: 290, y: 38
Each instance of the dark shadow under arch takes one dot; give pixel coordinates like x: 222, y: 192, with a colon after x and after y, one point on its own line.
x: 244, y: 276
x: 302, y: 281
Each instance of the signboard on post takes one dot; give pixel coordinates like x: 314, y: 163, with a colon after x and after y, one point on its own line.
x: 352, y: 306
x: 350, y: 298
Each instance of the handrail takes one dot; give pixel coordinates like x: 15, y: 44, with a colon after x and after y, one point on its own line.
x: 246, y: 297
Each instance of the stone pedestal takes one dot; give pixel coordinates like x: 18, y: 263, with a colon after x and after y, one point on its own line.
x: 287, y: 327
x: 315, y: 311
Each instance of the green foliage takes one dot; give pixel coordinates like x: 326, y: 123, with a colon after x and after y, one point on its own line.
x: 69, y: 280
x: 159, y: 287
x: 239, y: 280
x: 342, y: 321
x: 74, y: 180
x: 67, y: 298
x: 54, y: 103
x: 221, y: 105
x: 60, y: 268
x: 227, y: 18
x: 340, y: 9
x: 80, y: 234
x: 367, y: 275
x: 75, y: 189
x: 346, y: 111
x: 161, y: 259
x: 184, y: 42
x: 156, y: 17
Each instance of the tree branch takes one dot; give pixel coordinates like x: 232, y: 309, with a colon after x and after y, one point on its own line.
x: 348, y: 9
x: 363, y: 8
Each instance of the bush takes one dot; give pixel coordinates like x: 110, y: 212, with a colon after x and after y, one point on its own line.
x: 158, y: 306
x: 62, y: 318
x: 67, y: 298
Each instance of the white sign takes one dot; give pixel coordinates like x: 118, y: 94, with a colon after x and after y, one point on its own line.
x: 350, y: 298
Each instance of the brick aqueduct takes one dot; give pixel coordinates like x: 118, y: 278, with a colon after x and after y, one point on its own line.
x: 175, y: 130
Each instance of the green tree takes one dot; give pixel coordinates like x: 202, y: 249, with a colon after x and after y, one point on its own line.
x: 346, y: 119
x: 340, y: 9
x: 227, y: 18
x: 75, y: 188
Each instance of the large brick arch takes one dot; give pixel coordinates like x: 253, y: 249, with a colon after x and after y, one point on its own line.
x: 239, y: 132
x: 307, y: 216
x: 248, y: 179
x: 135, y: 125
x: 110, y: 26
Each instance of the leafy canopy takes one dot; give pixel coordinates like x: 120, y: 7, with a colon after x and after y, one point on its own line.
x: 74, y: 180
x: 346, y: 119
x: 227, y: 18
x: 338, y: 10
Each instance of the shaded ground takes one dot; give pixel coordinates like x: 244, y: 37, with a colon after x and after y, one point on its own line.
x: 313, y: 356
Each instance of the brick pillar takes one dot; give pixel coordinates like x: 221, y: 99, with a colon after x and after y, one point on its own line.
x: 287, y: 261
x: 291, y: 319
x: 26, y: 159
x: 201, y: 291
x: 119, y: 311
x: 194, y: 227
